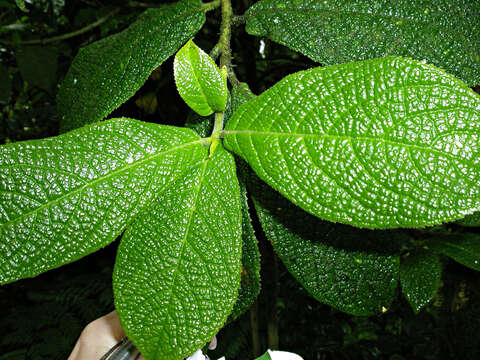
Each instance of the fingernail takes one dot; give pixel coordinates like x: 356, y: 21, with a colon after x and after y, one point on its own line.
x: 213, y: 343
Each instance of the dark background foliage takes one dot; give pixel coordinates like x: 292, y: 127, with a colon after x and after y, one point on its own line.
x: 41, y: 318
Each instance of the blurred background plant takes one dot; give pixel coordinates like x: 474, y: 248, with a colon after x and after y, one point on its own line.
x: 41, y: 318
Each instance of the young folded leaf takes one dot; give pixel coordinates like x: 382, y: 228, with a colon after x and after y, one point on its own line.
x: 178, y: 266
x: 382, y: 143
x: 420, y: 274
x: 65, y: 197
x: 108, y: 72
x: 463, y: 248
x: 442, y: 32
x: 199, y: 81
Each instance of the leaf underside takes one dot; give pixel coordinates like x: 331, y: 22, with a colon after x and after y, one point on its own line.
x: 108, y: 72
x: 64, y: 197
x: 420, y: 274
x: 250, y: 279
x: 442, y: 32
x: 353, y: 270
x: 463, y: 248
x: 375, y: 144
x: 472, y: 220
x: 177, y: 272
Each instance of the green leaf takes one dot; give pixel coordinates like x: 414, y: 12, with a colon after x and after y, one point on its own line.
x: 250, y: 283
x: 108, y: 72
x: 381, y: 143
x: 420, y: 274
x: 21, y: 5
x: 177, y: 272
x: 463, y: 248
x: 265, y: 356
x: 472, y: 220
x: 204, y: 125
x: 65, y: 197
x: 353, y: 270
x: 38, y: 65
x: 442, y: 32
x: 250, y: 279
x: 199, y: 81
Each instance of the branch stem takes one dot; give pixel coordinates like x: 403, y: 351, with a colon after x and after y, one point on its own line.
x: 225, y: 34
x: 65, y: 36
x: 211, y: 5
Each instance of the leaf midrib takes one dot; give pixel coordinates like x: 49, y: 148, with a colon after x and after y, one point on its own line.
x: 187, y: 232
x: 99, y: 179
x: 194, y: 70
x: 340, y: 137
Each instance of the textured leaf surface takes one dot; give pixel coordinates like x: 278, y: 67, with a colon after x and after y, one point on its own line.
x: 443, y: 32
x: 420, y: 274
x: 472, y: 220
x: 463, y: 248
x: 381, y: 143
x: 64, y: 197
x: 177, y: 272
x: 108, y: 72
x: 353, y: 270
x: 199, y: 81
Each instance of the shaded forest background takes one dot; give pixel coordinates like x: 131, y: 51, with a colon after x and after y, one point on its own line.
x: 41, y: 318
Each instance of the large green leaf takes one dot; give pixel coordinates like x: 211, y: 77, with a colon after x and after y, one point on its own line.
x: 353, y: 270
x: 381, y: 143
x: 464, y: 248
x: 64, y: 197
x: 177, y: 272
x: 443, y: 32
x: 420, y: 274
x: 108, y: 72
x: 199, y: 81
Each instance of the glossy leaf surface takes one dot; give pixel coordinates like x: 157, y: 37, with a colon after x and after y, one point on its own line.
x: 442, y: 32
x: 177, y: 272
x: 65, y: 197
x: 199, y: 81
x: 463, y: 248
x: 420, y: 274
x: 108, y: 72
x: 381, y: 143
x: 353, y: 270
